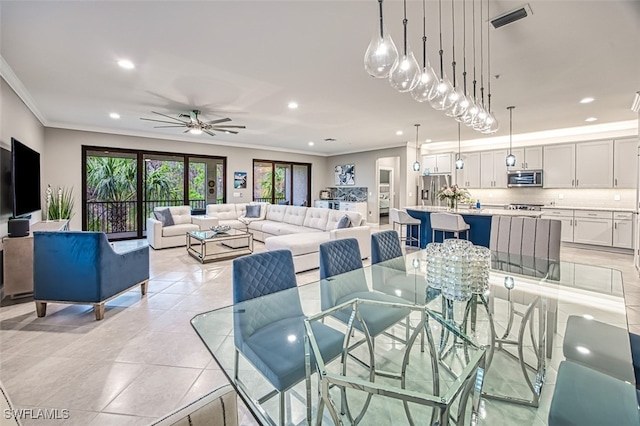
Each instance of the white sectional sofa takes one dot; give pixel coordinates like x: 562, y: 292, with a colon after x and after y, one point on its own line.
x: 299, y: 229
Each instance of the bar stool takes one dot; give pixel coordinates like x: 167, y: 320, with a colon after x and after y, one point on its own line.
x: 448, y: 222
x: 402, y: 218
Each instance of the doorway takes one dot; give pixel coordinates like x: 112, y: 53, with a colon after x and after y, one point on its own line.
x: 385, y: 194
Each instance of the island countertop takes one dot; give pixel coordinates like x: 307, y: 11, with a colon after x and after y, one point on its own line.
x: 477, y: 212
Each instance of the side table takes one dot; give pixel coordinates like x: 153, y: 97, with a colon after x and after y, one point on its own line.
x: 18, y: 259
x: 204, y: 222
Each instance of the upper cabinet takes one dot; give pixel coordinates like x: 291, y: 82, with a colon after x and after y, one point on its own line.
x: 529, y: 158
x: 493, y: 168
x: 594, y: 164
x: 625, y: 165
x: 559, y: 166
x: 437, y: 163
x: 469, y: 176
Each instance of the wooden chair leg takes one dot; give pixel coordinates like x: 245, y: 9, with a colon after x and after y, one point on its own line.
x: 98, y: 308
x: 143, y: 287
x: 41, y: 309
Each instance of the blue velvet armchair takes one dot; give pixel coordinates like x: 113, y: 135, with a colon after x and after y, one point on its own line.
x: 83, y: 267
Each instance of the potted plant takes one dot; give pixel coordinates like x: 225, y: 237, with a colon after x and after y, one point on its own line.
x: 453, y: 194
x: 60, y: 203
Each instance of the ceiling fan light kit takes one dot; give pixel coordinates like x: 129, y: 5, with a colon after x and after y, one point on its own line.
x: 194, y: 124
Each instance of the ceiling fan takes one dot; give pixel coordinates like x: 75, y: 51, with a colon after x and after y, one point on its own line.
x: 194, y: 125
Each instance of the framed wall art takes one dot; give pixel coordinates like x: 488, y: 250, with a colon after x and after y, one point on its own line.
x: 240, y: 180
x: 345, y: 174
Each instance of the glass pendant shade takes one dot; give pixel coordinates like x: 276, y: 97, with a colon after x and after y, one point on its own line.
x: 440, y: 96
x: 381, y: 55
x: 405, y: 73
x: 424, y: 88
x: 511, y: 160
x: 459, y: 105
x: 470, y: 113
x: 416, y: 166
x: 491, y: 125
x: 459, y: 163
x: 479, y: 120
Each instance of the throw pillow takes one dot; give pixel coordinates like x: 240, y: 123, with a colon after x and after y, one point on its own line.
x: 344, y: 222
x: 253, y: 211
x: 164, y: 216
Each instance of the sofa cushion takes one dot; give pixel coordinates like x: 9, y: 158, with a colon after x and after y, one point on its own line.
x: 334, y: 216
x: 317, y: 218
x: 298, y: 244
x: 253, y: 211
x: 180, y: 229
x: 222, y: 211
x: 180, y: 214
x: 344, y: 222
x: 234, y: 223
x: 295, y: 215
x: 164, y: 216
x: 276, y: 212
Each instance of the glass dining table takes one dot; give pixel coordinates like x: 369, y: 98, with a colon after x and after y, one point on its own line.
x: 490, y: 359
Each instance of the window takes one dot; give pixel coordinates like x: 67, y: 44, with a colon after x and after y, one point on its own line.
x: 282, y: 183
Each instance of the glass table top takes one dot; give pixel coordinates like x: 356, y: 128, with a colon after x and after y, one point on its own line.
x: 543, y: 297
x: 208, y: 235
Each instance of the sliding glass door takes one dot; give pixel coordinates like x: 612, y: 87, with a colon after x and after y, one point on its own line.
x: 281, y: 183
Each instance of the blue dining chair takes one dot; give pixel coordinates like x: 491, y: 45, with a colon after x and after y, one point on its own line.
x: 269, y: 324
x: 343, y: 256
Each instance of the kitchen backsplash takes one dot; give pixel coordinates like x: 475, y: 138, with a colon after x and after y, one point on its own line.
x: 561, y: 197
x: 356, y: 193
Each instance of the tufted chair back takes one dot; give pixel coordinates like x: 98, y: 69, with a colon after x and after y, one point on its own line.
x: 340, y: 257
x: 385, y: 246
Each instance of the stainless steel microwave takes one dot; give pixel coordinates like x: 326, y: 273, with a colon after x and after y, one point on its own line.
x: 522, y: 178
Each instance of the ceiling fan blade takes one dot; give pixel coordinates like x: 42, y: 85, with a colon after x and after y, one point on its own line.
x: 208, y: 132
x: 162, y: 121
x: 187, y: 131
x: 224, y: 130
x: 231, y: 127
x: 160, y: 127
x: 194, y: 116
x: 221, y: 120
x: 168, y: 116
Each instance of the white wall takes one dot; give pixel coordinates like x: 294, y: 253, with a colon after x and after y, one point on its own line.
x: 17, y: 121
x: 63, y: 158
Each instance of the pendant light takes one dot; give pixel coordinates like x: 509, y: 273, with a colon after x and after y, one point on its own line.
x: 511, y: 159
x: 381, y: 53
x: 456, y: 96
x: 416, y: 165
x: 465, y: 102
x: 459, y: 160
x: 428, y: 77
x: 479, y: 120
x: 405, y: 73
x: 491, y: 124
x: 440, y: 96
x: 472, y: 110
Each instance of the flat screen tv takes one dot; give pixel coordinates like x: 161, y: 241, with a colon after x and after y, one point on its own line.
x: 6, y: 191
x: 25, y: 179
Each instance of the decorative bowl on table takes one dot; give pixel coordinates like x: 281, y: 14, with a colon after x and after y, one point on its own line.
x: 220, y: 229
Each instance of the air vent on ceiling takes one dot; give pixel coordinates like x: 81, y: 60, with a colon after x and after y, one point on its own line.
x: 329, y: 140
x: 509, y: 17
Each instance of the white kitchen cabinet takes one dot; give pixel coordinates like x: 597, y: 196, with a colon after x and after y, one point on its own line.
x: 469, y: 176
x: 493, y: 169
x: 360, y: 207
x: 529, y: 158
x: 625, y: 163
x: 322, y: 204
x: 593, y: 227
x: 559, y: 166
x: 594, y: 164
x: 437, y: 163
x: 623, y: 230
x: 564, y: 216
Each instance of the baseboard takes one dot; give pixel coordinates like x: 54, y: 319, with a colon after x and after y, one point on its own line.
x: 599, y: 248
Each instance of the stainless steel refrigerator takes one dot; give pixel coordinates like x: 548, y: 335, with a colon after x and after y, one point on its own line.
x: 430, y: 185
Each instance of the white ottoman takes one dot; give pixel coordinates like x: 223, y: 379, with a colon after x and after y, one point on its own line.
x: 304, y: 247
x: 204, y: 222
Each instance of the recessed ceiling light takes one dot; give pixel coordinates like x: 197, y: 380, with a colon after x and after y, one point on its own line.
x: 195, y: 131
x: 114, y: 115
x: 586, y: 100
x: 293, y: 105
x: 399, y: 132
x: 590, y: 119
x: 126, y: 64
x: 311, y: 143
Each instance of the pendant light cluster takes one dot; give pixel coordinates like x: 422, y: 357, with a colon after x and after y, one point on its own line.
x: 382, y: 60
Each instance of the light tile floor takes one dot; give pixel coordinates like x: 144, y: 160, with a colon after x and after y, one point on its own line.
x: 144, y: 360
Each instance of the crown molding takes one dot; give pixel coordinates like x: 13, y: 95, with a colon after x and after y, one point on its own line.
x: 14, y: 82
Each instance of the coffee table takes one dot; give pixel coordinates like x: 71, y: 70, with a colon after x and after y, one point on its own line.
x: 209, y: 246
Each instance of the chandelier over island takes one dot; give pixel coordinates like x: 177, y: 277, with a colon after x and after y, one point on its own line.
x: 382, y: 60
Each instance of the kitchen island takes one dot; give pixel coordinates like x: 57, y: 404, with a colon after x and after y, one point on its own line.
x: 479, y: 221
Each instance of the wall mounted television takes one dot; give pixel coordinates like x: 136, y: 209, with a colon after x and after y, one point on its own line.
x: 25, y: 179
x: 6, y: 192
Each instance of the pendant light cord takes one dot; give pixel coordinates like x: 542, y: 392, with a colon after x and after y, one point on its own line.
x: 488, y: 59
x: 459, y: 156
x: 453, y: 39
x: 417, y: 127
x: 381, y: 20
x: 473, y: 21
x: 481, y: 59
x: 464, y: 46
x: 510, y: 127
x: 441, y: 51
x: 424, y: 35
x: 404, y: 23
